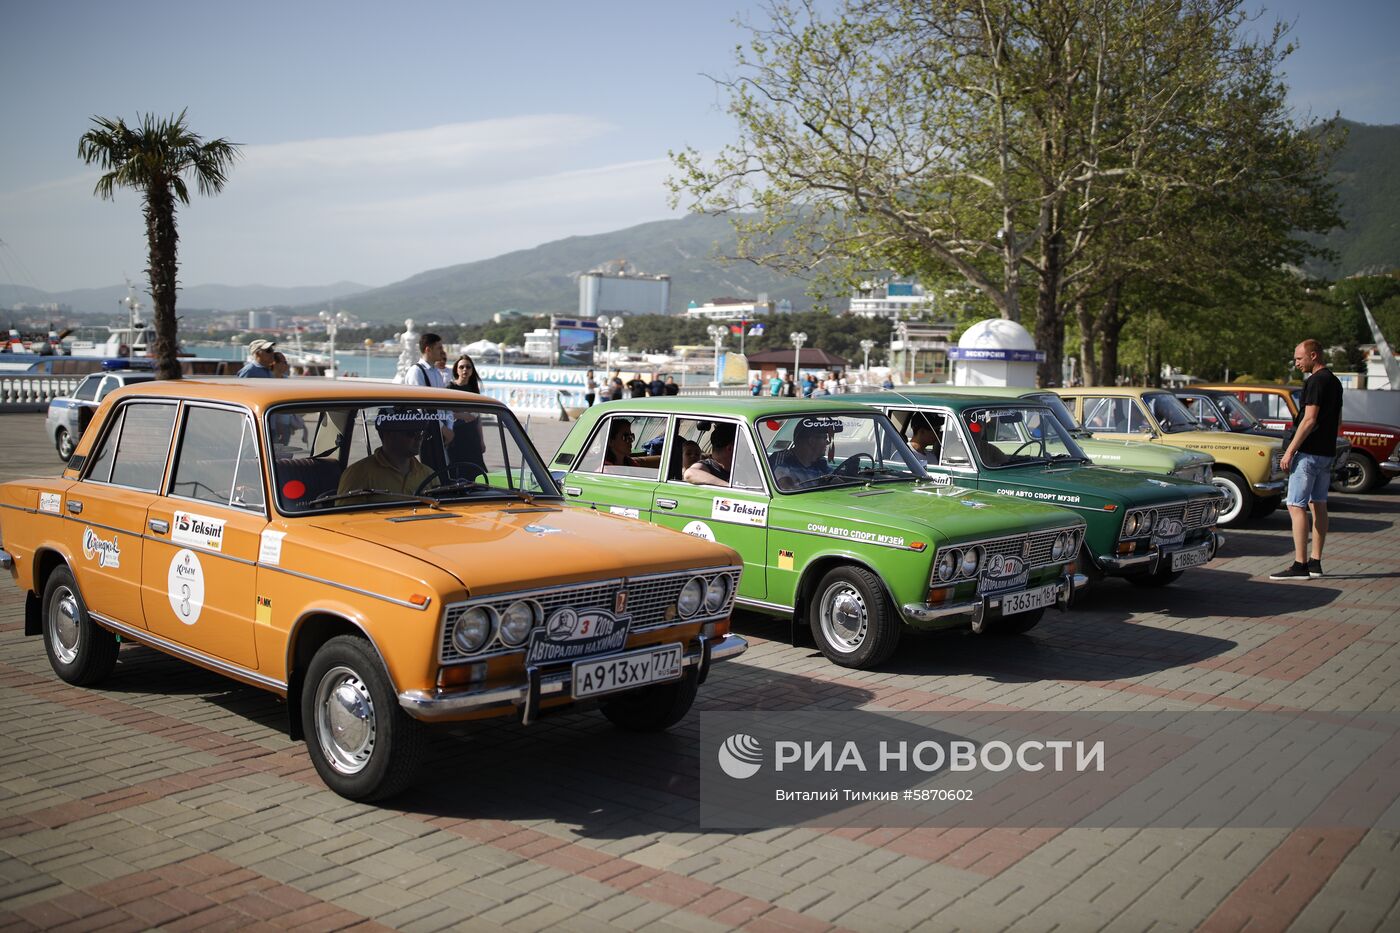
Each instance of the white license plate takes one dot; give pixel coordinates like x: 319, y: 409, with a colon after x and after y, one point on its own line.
x: 624, y: 671
x: 1027, y: 600
x: 1192, y: 558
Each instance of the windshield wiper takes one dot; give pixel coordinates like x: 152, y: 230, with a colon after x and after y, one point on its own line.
x: 393, y: 496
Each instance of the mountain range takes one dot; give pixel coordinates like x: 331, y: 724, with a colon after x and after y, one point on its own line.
x: 544, y: 279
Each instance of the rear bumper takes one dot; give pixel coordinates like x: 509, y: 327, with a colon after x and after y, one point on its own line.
x: 928, y: 612
x: 1390, y: 467
x: 435, y: 706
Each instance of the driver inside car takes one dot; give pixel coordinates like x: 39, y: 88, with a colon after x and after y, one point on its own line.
x: 805, y: 461
x: 394, y: 467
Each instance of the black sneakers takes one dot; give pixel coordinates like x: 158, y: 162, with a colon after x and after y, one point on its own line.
x: 1315, y: 568
x: 1295, y: 571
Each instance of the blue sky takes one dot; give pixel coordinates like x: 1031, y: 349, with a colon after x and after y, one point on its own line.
x: 385, y: 140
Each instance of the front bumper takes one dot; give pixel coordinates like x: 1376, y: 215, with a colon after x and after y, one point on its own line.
x: 1278, y: 486
x: 928, y: 612
x: 1112, y: 563
x: 1390, y: 467
x: 440, y: 705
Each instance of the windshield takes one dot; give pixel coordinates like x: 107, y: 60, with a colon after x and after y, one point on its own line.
x: 1239, y: 417
x: 1057, y: 405
x: 1016, y: 435
x: 820, y: 450
x: 381, y: 453
x: 1172, y: 417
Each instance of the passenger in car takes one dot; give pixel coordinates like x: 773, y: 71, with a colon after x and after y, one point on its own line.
x: 923, y: 437
x: 621, y: 437
x: 394, y: 467
x: 714, y: 469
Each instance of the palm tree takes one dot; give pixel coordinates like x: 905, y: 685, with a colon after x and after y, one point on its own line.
x: 155, y: 159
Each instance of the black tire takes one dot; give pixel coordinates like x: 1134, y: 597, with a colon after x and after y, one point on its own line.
x: 364, y: 746
x: 1163, y: 576
x: 80, y: 651
x: 1263, y: 508
x: 1019, y: 624
x: 1239, y: 497
x: 655, y: 708
x: 65, y: 444
x: 851, y: 620
x: 1359, y: 474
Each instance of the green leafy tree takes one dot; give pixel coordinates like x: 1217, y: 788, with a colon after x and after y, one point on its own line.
x: 156, y: 158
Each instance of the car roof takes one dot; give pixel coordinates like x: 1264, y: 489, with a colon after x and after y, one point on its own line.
x: 747, y: 407
x: 261, y: 394
x: 955, y: 401
x: 1111, y: 390
x: 1255, y: 387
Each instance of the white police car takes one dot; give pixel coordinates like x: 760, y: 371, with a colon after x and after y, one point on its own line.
x: 69, y: 415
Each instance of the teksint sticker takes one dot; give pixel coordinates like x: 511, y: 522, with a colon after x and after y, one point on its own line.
x: 198, y: 531
x: 740, y: 511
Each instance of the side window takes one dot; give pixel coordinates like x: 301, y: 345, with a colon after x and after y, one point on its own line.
x: 141, y: 446
x: 108, y: 384
x: 103, y: 458
x: 87, y: 389
x: 1138, y: 422
x: 218, y: 459
x: 626, y: 445
x: 954, y: 450
x: 746, y: 473
x: 1106, y: 414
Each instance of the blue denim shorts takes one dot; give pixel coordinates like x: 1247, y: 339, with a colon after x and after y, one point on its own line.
x: 1308, y: 479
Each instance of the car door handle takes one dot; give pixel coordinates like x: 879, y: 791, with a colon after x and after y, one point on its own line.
x: 75, y: 506
x: 666, y: 503
x: 159, y: 525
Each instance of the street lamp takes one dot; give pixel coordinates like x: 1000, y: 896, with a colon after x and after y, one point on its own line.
x: 867, y: 346
x: 333, y: 322
x: 798, y: 338
x: 609, y: 326
x: 368, y: 343
x: 717, y: 332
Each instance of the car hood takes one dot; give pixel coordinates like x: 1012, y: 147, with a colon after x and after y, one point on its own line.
x: 1128, y: 453
x: 517, y: 546
x: 919, y: 509
x: 1096, y: 485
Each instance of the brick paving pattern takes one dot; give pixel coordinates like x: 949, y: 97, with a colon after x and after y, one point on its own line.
x: 171, y: 798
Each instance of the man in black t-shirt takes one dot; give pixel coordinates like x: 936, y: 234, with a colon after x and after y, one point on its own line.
x: 1308, y: 460
x: 637, y: 386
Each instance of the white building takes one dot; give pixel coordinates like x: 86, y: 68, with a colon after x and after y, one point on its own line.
x: 261, y: 320
x: 892, y: 300
x: 613, y: 288
x: 540, y: 343
x: 730, y: 309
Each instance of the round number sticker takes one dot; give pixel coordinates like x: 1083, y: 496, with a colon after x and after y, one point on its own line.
x: 185, y: 586
x: 699, y: 530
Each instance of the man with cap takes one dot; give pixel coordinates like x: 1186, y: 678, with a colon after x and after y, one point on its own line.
x: 260, y: 360
x: 394, y: 467
x: 805, y: 463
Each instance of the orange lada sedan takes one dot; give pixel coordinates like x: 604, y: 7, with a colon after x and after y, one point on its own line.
x: 381, y: 556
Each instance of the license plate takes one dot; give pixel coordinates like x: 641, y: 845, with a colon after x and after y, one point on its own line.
x: 1195, y: 557
x: 1027, y: 600
x: 624, y: 671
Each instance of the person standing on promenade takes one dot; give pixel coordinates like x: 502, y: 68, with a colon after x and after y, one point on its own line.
x: 656, y: 386
x: 260, y: 360
x: 1308, y: 460
x: 430, y: 371
x: 590, y: 389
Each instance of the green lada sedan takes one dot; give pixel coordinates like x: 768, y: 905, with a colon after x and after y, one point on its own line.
x: 1147, y: 529
x: 1195, y: 465
x: 836, y: 519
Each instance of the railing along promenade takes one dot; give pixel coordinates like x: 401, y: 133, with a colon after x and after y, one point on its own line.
x: 34, y: 391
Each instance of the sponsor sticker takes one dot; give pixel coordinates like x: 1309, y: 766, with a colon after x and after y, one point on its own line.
x: 784, y: 560
x: 50, y: 502
x: 699, y: 529
x: 624, y: 512
x: 106, y: 553
x: 270, y: 547
x: 263, y: 612
x: 939, y: 479
x: 1003, y: 572
x: 184, y: 584
x: 569, y: 634
x: 197, y: 531
x: 856, y: 534
x: 740, y: 511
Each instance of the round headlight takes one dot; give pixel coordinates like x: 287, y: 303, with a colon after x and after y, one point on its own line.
x: 972, y: 558
x: 1058, y: 551
x: 717, y: 593
x: 948, y: 563
x: 517, y: 621
x: 1149, y: 521
x: 1132, y: 523
x: 692, y: 594
x: 473, y: 629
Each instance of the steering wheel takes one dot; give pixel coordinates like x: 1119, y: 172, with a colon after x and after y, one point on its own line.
x: 851, y: 465
x: 1032, y: 441
x: 470, y: 474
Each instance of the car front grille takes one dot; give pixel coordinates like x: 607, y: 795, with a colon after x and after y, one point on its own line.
x: 648, y: 601
x: 1036, y: 548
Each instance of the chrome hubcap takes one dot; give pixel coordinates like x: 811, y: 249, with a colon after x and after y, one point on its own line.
x: 1231, y: 508
x: 345, y: 720
x: 63, y: 625
x: 843, y: 617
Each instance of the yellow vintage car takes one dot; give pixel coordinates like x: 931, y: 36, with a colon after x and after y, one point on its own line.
x: 381, y: 556
x: 1246, y: 467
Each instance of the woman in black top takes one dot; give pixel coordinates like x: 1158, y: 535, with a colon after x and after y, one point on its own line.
x: 465, y: 453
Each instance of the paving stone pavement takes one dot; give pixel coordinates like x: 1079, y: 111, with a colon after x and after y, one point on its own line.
x: 171, y: 798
